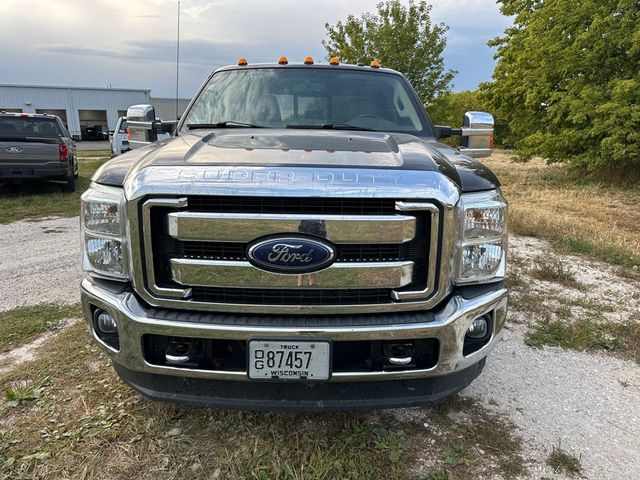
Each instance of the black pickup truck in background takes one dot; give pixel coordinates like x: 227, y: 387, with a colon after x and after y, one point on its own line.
x: 36, y: 147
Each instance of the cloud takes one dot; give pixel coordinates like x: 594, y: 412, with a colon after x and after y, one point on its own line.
x: 132, y: 42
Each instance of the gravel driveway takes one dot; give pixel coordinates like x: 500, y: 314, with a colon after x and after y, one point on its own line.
x: 40, y: 262
x: 587, y: 403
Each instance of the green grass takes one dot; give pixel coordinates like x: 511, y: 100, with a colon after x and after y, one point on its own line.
x: 434, y: 473
x: 40, y: 199
x: 622, y: 339
x: 554, y: 270
x: 21, y: 325
x: 588, y: 304
x: 562, y: 461
x: 607, y: 253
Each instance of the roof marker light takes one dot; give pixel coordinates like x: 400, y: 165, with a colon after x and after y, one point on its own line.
x: 334, y: 61
x: 242, y: 61
x: 283, y: 61
x: 308, y: 61
x: 375, y: 64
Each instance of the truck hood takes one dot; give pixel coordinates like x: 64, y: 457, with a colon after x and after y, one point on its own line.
x: 305, y: 149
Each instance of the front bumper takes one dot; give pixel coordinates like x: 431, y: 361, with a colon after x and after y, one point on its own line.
x: 233, y: 389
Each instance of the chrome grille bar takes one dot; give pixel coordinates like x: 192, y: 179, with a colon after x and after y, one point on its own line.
x: 204, y: 273
x: 242, y: 227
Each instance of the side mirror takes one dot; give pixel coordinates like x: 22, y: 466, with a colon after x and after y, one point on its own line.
x: 141, y: 125
x: 477, y: 134
x: 446, y: 132
x: 168, y: 127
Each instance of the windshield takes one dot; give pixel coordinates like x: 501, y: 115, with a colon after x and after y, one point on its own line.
x: 30, y: 127
x: 307, y: 98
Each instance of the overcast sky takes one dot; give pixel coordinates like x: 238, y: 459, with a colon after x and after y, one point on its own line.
x: 131, y: 43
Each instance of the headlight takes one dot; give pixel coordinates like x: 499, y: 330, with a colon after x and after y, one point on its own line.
x: 482, y: 243
x: 103, y: 232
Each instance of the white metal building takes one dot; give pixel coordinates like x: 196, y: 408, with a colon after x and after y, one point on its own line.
x: 77, y: 106
x: 80, y: 107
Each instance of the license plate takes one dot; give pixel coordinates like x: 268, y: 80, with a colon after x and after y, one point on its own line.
x: 289, y: 360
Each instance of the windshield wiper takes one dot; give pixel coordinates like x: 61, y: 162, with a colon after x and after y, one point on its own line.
x: 225, y: 124
x: 331, y: 126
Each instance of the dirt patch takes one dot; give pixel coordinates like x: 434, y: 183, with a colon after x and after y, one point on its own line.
x: 28, y: 352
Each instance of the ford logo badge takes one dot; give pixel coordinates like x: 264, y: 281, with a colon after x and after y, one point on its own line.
x: 291, y: 254
x: 13, y: 149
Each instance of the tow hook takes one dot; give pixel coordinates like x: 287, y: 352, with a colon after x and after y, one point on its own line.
x: 179, y: 352
x: 398, y: 354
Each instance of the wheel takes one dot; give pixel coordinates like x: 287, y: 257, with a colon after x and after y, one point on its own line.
x: 69, y: 185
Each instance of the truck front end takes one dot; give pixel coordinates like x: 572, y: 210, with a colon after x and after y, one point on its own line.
x: 284, y: 264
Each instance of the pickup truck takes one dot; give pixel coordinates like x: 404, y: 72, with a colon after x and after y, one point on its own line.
x: 302, y: 241
x: 36, y: 147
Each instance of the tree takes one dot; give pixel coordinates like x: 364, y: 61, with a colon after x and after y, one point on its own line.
x: 402, y: 38
x: 449, y: 108
x: 567, y: 81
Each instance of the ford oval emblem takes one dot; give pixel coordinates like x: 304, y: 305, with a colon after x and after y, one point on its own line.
x: 291, y: 254
x: 13, y: 149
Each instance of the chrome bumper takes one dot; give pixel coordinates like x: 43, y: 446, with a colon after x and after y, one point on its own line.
x: 448, y: 326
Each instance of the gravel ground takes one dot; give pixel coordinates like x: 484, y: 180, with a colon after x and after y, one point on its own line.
x: 586, y: 403
x: 41, y: 262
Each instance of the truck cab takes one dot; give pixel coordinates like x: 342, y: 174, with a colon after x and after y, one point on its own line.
x: 302, y: 241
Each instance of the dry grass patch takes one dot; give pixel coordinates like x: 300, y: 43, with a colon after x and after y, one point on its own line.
x: 578, y: 215
x: 66, y: 415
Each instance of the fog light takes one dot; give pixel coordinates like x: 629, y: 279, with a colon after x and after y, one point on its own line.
x: 479, y: 328
x: 105, y: 322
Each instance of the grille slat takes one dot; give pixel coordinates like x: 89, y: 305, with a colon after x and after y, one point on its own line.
x: 166, y: 247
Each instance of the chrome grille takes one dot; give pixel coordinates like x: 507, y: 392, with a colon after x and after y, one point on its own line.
x: 195, y: 251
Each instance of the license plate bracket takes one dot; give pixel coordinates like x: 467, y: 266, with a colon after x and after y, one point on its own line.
x: 289, y: 360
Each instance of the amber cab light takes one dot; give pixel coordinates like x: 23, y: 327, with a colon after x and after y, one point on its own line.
x: 308, y: 61
x: 242, y: 61
x: 375, y: 64
x: 283, y: 61
x: 334, y: 61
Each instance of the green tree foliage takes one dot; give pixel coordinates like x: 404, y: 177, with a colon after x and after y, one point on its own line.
x: 567, y: 81
x: 449, y: 108
x: 400, y: 37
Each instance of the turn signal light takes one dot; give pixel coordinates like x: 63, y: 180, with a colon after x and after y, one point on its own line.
x: 375, y: 64
x: 283, y: 61
x: 242, y: 61
x: 308, y: 61
x: 334, y: 61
